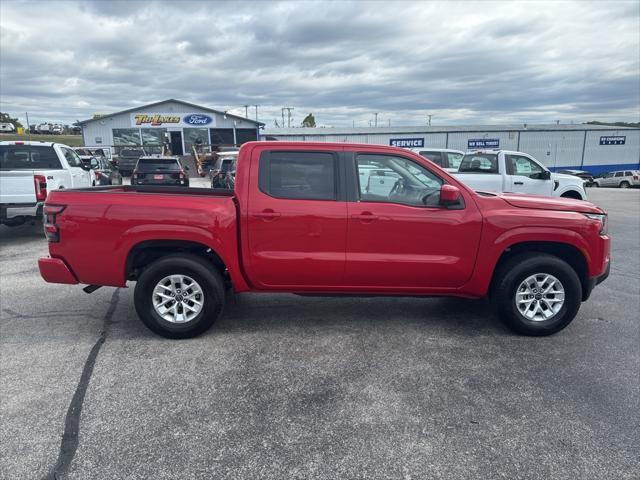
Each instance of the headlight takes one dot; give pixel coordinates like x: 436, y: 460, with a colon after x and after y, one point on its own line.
x: 602, y: 218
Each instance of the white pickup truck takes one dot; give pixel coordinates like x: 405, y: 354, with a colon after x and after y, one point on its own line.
x: 28, y: 170
x: 517, y: 172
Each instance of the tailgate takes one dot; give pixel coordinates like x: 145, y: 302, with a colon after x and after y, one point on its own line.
x: 17, y: 187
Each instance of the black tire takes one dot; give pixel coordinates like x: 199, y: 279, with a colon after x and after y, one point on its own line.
x: 625, y: 184
x: 198, y: 269
x: 514, y: 271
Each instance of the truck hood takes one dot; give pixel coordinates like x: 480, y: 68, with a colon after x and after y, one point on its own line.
x: 549, y: 203
x: 567, y: 179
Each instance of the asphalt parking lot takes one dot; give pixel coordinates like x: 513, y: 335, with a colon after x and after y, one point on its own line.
x: 288, y: 387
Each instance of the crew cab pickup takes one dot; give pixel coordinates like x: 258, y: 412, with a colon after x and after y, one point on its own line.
x: 506, y: 171
x: 28, y: 170
x: 301, y: 219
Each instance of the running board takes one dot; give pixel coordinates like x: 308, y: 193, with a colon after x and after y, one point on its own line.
x: 91, y: 288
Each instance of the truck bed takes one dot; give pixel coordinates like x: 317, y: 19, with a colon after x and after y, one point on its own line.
x: 116, y: 219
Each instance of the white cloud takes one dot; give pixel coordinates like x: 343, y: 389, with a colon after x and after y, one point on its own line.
x: 482, y: 62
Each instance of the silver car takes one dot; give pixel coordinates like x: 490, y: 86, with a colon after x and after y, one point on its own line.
x: 620, y: 178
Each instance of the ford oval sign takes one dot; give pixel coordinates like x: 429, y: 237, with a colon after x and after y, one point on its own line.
x: 197, y: 119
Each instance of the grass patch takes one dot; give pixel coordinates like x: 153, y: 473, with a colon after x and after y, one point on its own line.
x: 70, y: 140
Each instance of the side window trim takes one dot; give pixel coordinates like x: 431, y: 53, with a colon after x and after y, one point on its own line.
x: 264, y: 175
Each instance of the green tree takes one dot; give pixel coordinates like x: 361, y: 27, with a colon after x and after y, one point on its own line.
x: 309, y: 121
x: 6, y: 118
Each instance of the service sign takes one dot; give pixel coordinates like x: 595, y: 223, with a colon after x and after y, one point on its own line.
x: 164, y: 120
x: 613, y: 140
x: 483, y: 143
x: 407, y: 142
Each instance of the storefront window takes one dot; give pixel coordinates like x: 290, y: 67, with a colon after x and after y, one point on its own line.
x: 191, y: 135
x: 152, y: 140
x: 126, y: 136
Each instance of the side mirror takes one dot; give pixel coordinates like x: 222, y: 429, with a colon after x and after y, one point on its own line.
x: 186, y: 168
x: 449, y: 195
x: 543, y: 175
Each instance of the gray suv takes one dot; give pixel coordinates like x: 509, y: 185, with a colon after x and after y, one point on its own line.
x: 620, y: 178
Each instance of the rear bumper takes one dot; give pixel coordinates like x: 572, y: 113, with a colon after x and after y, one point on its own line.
x: 55, y: 270
x: 13, y: 210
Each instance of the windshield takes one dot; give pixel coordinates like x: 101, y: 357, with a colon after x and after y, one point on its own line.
x: 155, y: 164
x: 479, y: 163
x: 27, y: 157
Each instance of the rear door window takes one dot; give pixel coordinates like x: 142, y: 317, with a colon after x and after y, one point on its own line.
x: 454, y: 159
x: 619, y: 174
x: 479, y: 163
x: 435, y: 157
x: 298, y: 175
x: 28, y: 157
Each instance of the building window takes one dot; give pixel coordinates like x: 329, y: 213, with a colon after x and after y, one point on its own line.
x: 125, y: 137
x: 192, y: 135
x: 152, y: 140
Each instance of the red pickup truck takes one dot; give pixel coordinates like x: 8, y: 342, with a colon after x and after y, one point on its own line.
x: 322, y: 218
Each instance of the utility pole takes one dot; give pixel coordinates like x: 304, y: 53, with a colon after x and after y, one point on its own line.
x: 429, y: 122
x: 376, y: 119
x: 246, y: 111
x: 256, y: 111
x: 389, y: 122
x: 289, y: 116
x: 282, y: 111
x: 28, y: 125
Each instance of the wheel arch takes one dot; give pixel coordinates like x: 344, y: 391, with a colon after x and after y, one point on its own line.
x: 148, y: 251
x: 565, y: 251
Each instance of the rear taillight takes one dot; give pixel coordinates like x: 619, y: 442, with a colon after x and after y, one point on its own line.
x: 635, y: 177
x: 182, y: 175
x: 51, y: 230
x: 40, y: 184
x: 135, y: 174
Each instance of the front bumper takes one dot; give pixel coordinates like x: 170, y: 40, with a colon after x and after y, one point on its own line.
x: 592, y: 282
x: 55, y: 270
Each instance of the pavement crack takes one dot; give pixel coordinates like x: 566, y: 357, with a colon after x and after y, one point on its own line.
x: 69, y: 442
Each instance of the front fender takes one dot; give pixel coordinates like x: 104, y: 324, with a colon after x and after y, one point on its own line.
x: 490, y: 254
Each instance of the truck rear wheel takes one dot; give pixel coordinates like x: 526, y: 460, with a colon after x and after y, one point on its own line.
x: 179, y: 296
x: 536, y: 294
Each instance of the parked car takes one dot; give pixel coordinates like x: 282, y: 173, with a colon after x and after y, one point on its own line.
x: 223, y: 172
x: 586, y: 177
x: 6, y: 127
x: 443, y: 157
x: 94, y: 151
x: 620, y: 179
x: 299, y: 221
x: 127, y: 159
x: 28, y: 170
x: 506, y: 171
x: 105, y: 172
x: 160, y: 171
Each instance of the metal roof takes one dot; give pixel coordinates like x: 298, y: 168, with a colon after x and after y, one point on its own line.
x: 439, y: 129
x: 192, y: 105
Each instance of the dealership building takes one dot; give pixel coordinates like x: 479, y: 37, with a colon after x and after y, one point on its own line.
x: 181, y: 122
x: 594, y: 148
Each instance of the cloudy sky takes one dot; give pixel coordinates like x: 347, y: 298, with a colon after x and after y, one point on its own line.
x: 464, y: 63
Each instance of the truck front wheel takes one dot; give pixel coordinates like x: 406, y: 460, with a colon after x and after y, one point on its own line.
x: 179, y: 296
x: 536, y: 294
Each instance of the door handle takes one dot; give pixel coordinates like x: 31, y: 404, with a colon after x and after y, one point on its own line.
x: 266, y: 215
x: 365, y: 217
x: 518, y: 183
